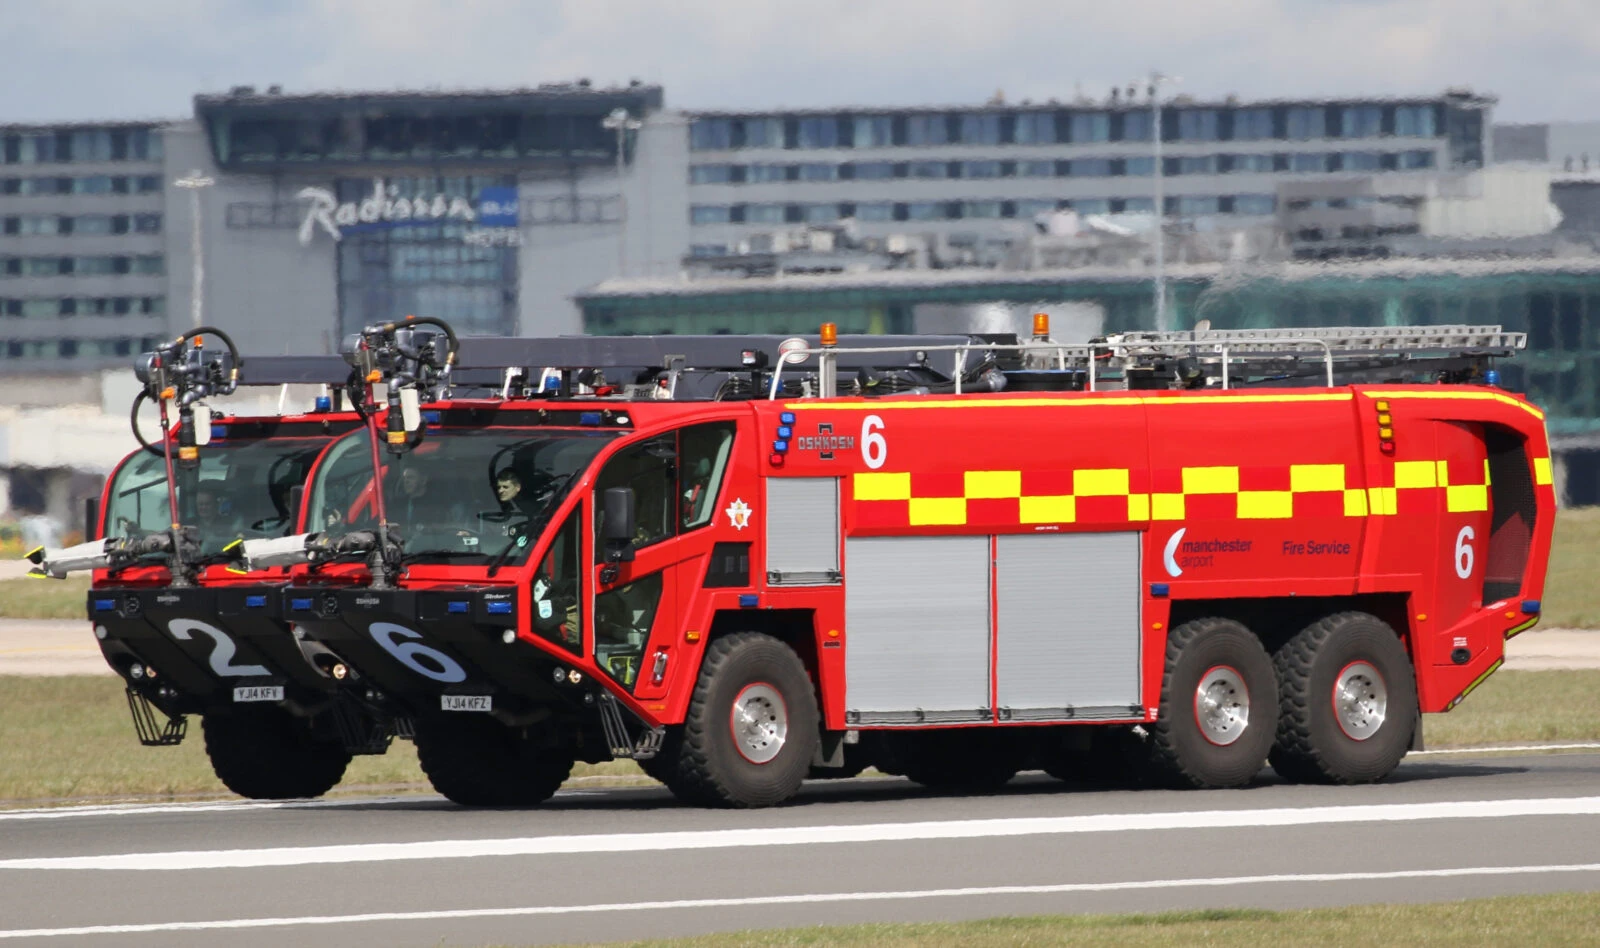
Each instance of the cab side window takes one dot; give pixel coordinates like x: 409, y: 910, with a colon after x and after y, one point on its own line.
x: 650, y: 469
x: 705, y: 451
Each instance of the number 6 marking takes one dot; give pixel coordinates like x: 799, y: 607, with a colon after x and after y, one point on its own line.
x: 1464, y: 555
x: 408, y: 653
x: 874, y: 449
x: 222, y: 648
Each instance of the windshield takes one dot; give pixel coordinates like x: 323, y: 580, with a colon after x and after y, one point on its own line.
x: 240, y: 490
x: 470, y: 496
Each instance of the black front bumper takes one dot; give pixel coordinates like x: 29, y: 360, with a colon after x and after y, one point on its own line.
x: 417, y: 645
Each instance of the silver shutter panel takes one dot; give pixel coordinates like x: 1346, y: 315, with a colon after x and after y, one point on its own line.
x: 917, y: 629
x: 802, y: 530
x: 1068, y: 617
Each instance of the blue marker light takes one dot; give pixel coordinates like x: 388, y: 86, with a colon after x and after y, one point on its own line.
x: 458, y: 606
x: 589, y: 418
x: 432, y: 417
x: 1531, y: 607
x: 323, y: 403
x: 781, y: 447
x: 498, y: 608
x: 552, y: 383
x: 786, y: 432
x: 787, y: 418
x: 749, y: 600
x: 219, y: 431
x: 1492, y: 377
x: 1158, y: 589
x: 255, y: 602
x: 104, y: 605
x: 300, y: 605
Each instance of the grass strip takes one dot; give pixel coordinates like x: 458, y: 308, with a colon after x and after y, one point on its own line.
x: 70, y: 740
x: 1551, y: 920
x: 44, y: 598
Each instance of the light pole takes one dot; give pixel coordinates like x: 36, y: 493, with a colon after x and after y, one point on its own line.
x: 194, y: 183
x: 622, y: 123
x: 1154, y: 89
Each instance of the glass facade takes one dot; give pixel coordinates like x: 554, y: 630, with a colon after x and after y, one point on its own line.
x: 61, y: 146
x: 386, y: 272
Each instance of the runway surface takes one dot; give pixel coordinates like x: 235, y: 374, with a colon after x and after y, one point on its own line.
x: 602, y: 865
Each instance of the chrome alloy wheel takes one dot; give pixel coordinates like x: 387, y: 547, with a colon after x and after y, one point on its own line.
x: 760, y: 723
x: 1222, y: 705
x: 1360, y: 701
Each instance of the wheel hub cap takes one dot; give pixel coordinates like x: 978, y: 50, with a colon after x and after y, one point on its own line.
x: 1360, y: 701
x: 1222, y: 705
x: 760, y: 723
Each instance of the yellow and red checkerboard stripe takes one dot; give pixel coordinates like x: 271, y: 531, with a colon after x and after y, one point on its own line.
x: 1121, y: 495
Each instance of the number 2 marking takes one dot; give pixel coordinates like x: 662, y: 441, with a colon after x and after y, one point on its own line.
x: 222, y: 648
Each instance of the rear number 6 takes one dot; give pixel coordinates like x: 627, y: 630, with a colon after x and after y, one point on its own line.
x: 1464, y: 552
x: 874, y: 449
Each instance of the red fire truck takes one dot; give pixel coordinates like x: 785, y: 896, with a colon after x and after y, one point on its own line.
x: 950, y: 559
x: 188, y: 630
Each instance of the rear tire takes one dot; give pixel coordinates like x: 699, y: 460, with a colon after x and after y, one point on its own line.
x: 475, y: 760
x: 1219, y: 702
x: 1347, y: 701
x: 266, y: 753
x: 751, y: 730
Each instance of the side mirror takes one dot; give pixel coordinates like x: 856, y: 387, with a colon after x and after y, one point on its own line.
x: 621, y: 524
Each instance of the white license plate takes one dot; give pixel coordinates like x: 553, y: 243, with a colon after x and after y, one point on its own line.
x: 246, y: 693
x: 466, y: 702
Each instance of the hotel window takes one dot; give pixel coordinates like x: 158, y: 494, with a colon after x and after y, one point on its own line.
x: 762, y: 133
x: 819, y: 172
x: 874, y: 170
x: 1089, y: 167
x: 930, y: 169
x: 925, y: 211
x: 1138, y: 205
x: 1141, y: 167
x: 980, y: 129
x: 1197, y: 125
x: 1259, y: 205
x: 1092, y: 205
x: 820, y: 213
x: 980, y: 169
x: 873, y: 131
x: 927, y: 130
x: 1361, y: 161
x: 1306, y: 123
x: 710, y: 134
x: 708, y: 214
x: 1190, y: 206
x: 981, y: 209
x: 820, y: 132
x: 764, y: 214
x: 1090, y: 127
x: 1028, y: 209
x: 1136, y: 126
x: 1252, y: 124
x: 1036, y: 169
x: 711, y: 174
x: 1415, y: 121
x: 1198, y: 164
x: 762, y: 174
x: 1413, y: 160
x: 1361, y: 121
x: 1035, y: 128
x: 1241, y: 163
x: 1304, y: 163
x: 875, y: 212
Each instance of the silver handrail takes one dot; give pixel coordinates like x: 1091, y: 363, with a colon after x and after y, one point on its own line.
x: 961, y: 350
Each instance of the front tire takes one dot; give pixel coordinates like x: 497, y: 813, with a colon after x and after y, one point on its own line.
x: 475, y: 760
x: 751, y: 729
x: 1348, y: 702
x: 266, y: 753
x: 1219, y: 702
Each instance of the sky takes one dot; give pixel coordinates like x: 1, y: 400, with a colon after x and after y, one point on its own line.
x: 110, y: 59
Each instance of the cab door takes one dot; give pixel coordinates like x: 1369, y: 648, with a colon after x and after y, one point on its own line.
x: 676, y: 479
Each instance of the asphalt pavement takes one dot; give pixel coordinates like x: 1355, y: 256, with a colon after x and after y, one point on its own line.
x: 599, y: 865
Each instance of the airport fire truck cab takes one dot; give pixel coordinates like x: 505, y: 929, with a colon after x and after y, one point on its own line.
x: 741, y: 562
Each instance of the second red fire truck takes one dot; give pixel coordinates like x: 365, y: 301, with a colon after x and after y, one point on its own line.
x: 950, y: 559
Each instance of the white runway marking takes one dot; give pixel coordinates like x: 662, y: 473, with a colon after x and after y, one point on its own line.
x: 548, y: 910
x: 808, y: 835
x: 1514, y: 748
